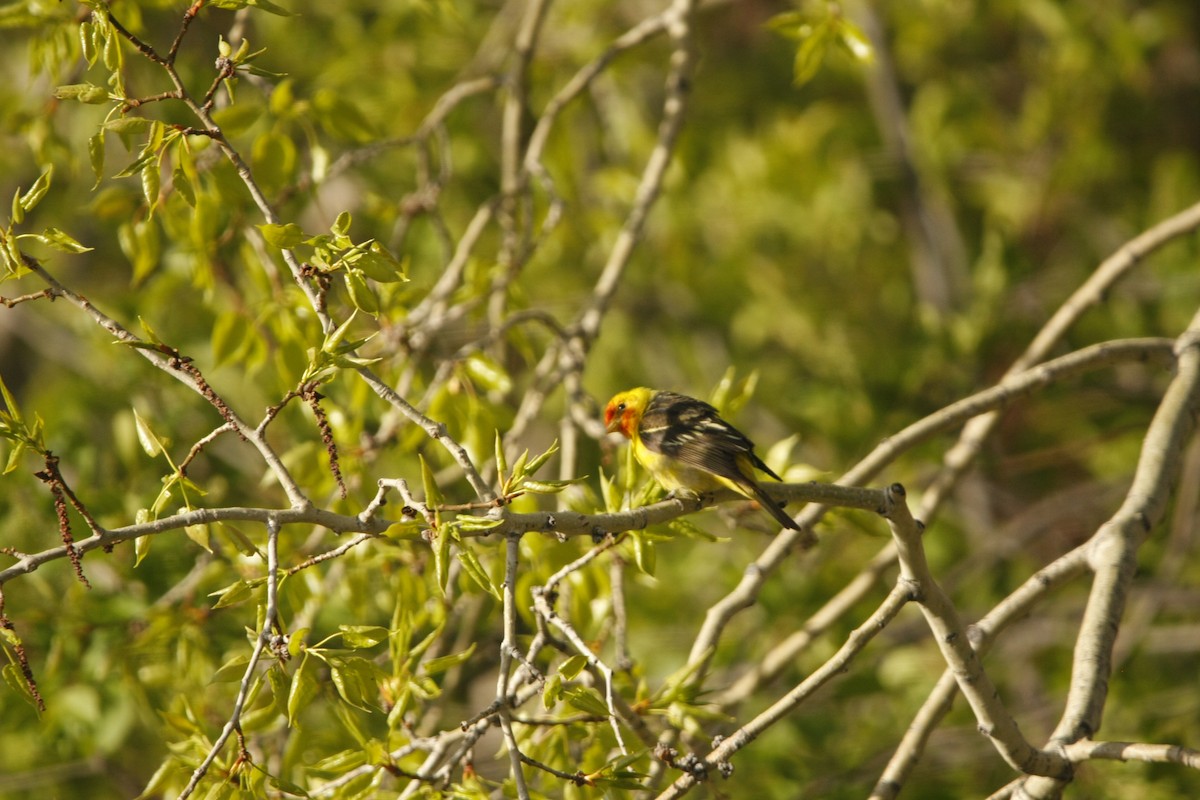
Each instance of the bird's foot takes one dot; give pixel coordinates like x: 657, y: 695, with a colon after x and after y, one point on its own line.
x: 690, y: 497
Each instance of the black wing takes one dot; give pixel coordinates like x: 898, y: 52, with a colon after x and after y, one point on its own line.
x: 692, y: 431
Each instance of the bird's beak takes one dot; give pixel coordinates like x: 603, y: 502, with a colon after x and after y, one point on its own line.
x: 613, y: 424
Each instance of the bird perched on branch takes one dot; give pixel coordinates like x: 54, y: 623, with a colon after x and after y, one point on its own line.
x: 685, y: 445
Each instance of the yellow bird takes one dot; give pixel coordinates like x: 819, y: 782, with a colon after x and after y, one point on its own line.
x: 685, y: 445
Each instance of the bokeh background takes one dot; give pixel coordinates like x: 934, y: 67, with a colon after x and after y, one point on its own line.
x: 841, y: 246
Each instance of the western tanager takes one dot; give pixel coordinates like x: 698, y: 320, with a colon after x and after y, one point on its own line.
x: 685, y: 445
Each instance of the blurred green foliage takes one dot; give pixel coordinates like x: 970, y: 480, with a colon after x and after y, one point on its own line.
x: 1050, y: 133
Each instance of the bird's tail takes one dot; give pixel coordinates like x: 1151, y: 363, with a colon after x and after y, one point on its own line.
x: 772, y: 506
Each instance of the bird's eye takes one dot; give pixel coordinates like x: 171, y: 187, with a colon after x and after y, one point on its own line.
x: 621, y: 408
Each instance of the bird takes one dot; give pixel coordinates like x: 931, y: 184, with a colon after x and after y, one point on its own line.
x: 688, y: 448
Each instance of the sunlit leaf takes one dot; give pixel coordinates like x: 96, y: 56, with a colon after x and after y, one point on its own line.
x: 436, y: 665
x: 476, y: 572
x: 128, y: 125
x: 235, y: 119
x: 236, y: 592
x: 232, y: 670
x: 361, y: 294
x: 37, y: 191
x: 359, y: 636
x: 304, y: 688
x: 151, y: 181
x: 284, y: 236
x: 96, y: 153
x: 354, y: 679
x: 60, y: 240
x: 645, y: 554
x: 587, y: 701
x: 571, y: 668
x: 83, y: 92
x: 141, y: 548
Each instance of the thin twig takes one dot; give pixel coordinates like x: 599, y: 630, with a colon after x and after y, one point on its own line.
x: 265, y: 636
x: 542, y: 604
x: 512, y: 551
x: 834, y: 666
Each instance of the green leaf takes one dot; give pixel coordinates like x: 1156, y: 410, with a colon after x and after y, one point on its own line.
x: 200, y: 534
x: 113, y: 57
x: 285, y: 237
x: 305, y: 686
x: 488, y: 374
x: 518, y: 468
x: 232, y: 670
x: 338, y: 763
x: 341, y: 225
x: 31, y: 198
x: 789, y: 24
x: 128, y: 125
x: 549, y: 487
x: 645, y: 554
x: 611, y: 492
x: 441, y: 557
x: 236, y: 118
x: 501, y: 461
x: 142, y: 245
x: 341, y: 118
x: 83, y: 92
x: 240, y: 540
x: 16, y: 682
x: 361, y: 294
x: 141, y: 548
x: 587, y: 701
x: 571, y: 668
x: 151, y: 183
x: 476, y: 571
x: 335, y: 342
x: 617, y: 775
x: 360, y: 636
x: 183, y: 185
x: 269, y: 7
x: 274, y: 160
x: 136, y: 167
x: 677, y: 684
x: 10, y: 409
x: 96, y: 156
x: 380, y: 265
x: 553, y: 691
x: 284, y: 786
x: 433, y: 495
x: 236, y: 592
x: 229, y: 332
x: 540, y: 460
x: 87, y: 44
x: 469, y: 522
x: 149, y: 441
x: 355, y: 680
x: 811, y: 54
x: 436, y: 665
x: 296, y: 641
x: 161, y: 780
x: 14, y: 456
x: 262, y: 5
x: 59, y: 240
x: 686, y: 528
x: 854, y: 41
